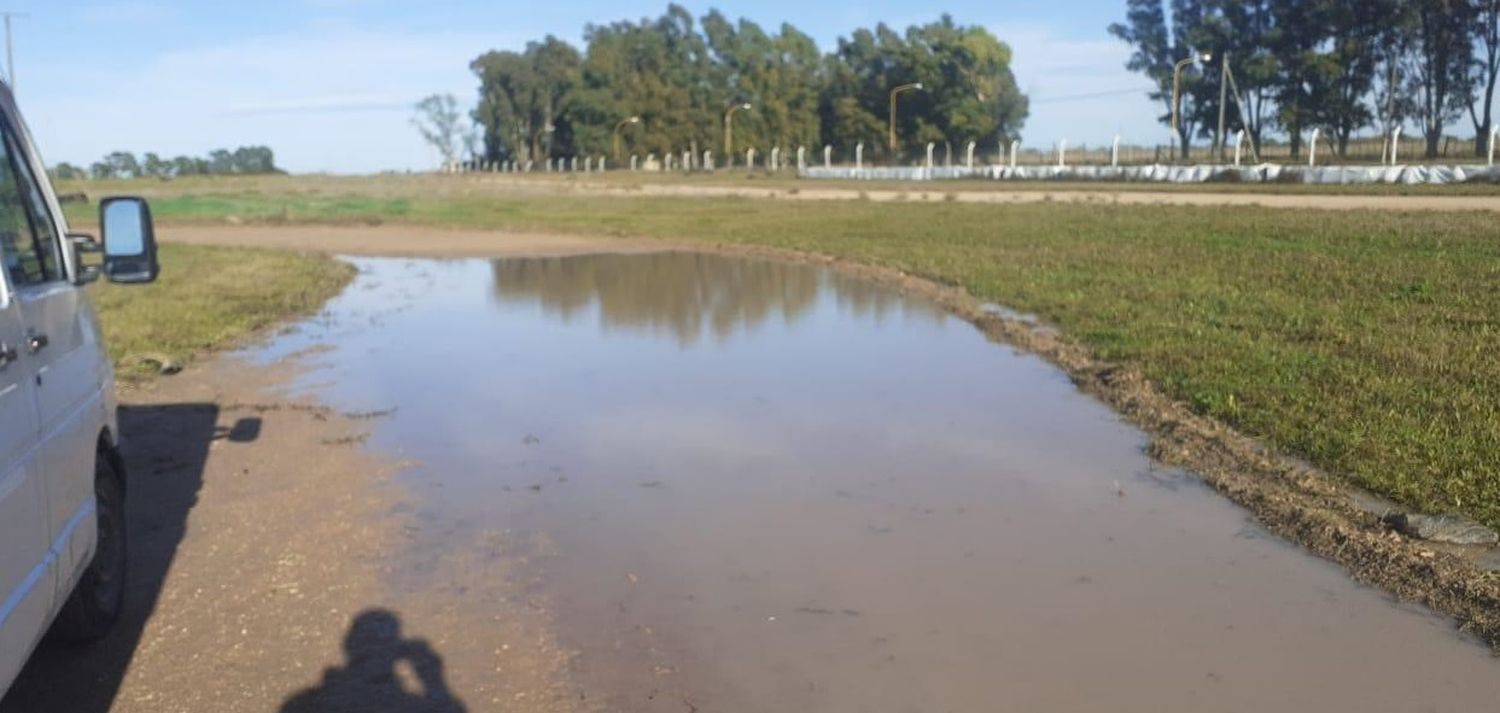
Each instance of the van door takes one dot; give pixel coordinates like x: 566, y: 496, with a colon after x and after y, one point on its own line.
x: 27, y: 572
x: 60, y: 348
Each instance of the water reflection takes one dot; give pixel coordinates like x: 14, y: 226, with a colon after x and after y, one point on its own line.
x: 686, y: 295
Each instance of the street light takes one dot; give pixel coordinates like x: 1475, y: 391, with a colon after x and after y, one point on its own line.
x: 729, y: 132
x: 616, y: 133
x: 914, y: 86
x: 536, y: 140
x: 1177, y: 89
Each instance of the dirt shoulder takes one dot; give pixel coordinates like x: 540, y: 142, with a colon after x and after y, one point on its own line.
x: 405, y: 241
x: 936, y: 192
x: 261, y: 534
x: 1301, y: 503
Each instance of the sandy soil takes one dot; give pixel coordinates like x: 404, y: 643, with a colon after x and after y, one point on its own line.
x: 261, y: 534
x: 406, y: 241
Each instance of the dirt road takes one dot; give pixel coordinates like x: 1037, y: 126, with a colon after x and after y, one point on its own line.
x: 811, y: 191
x: 261, y: 532
x: 403, y: 241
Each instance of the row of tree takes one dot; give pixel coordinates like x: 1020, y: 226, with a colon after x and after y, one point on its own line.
x: 246, y: 160
x: 680, y: 76
x: 1341, y: 66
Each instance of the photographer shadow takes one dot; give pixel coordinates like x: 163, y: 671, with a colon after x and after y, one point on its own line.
x: 371, y: 678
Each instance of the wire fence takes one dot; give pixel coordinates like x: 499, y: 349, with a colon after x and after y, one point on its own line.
x: 1357, y: 151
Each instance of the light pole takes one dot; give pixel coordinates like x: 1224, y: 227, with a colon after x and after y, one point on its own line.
x: 1177, y: 90
x: 536, y: 140
x: 616, y: 134
x: 729, y: 132
x: 898, y: 91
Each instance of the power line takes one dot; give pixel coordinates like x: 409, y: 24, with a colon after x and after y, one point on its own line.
x: 1094, y: 95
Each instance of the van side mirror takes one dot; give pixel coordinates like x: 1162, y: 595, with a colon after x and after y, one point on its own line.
x: 129, y: 240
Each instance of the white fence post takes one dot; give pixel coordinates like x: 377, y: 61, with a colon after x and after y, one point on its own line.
x: 588, y: 164
x: 1114, y: 152
x: 650, y: 159
x: 1062, y: 153
x: 529, y: 164
x: 1312, y: 148
x: 708, y: 160
x: 1239, y: 146
x: 947, y: 154
x: 687, y: 160
x: 827, y: 156
x: 1395, y: 144
x: 601, y: 164
x: 671, y: 161
x: 859, y: 156
x: 775, y: 158
x: 750, y: 159
x: 801, y: 158
x: 969, y: 156
x: 633, y: 161
x: 1015, y: 151
x: 928, y: 165
x: 1494, y: 138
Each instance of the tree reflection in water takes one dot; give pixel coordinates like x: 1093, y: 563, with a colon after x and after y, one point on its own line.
x: 687, y: 295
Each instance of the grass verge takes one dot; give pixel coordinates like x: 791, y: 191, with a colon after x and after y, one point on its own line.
x: 209, y: 298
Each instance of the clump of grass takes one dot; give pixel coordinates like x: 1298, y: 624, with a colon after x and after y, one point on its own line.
x: 208, y: 298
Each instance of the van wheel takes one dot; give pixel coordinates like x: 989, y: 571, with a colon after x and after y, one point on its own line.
x: 96, y: 602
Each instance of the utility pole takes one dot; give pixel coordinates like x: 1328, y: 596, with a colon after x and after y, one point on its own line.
x: 1223, y: 100
x: 10, y: 54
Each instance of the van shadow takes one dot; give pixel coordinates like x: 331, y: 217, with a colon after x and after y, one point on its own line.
x: 166, y: 451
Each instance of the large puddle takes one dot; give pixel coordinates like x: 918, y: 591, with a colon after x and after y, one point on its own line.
x: 753, y: 486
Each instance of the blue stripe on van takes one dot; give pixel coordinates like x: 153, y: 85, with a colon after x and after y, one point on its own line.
x: 13, y: 601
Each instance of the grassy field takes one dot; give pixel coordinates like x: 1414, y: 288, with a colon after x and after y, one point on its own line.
x: 209, y: 298
x: 1364, y: 342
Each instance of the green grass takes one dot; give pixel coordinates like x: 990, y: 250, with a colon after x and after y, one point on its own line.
x: 1368, y: 343
x: 208, y: 298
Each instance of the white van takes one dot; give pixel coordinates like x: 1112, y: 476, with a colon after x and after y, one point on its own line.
x: 62, y: 482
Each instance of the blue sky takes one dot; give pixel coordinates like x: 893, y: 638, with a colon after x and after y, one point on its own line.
x: 328, y: 84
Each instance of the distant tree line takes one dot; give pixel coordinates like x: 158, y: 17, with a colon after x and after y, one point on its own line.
x: 246, y: 160
x: 1341, y: 66
x: 680, y: 76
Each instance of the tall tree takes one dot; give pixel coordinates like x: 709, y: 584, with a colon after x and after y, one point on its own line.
x: 1486, y: 72
x: 1344, y: 68
x: 1145, y: 29
x: 969, y: 92
x: 1242, y: 30
x: 659, y: 70
x: 1440, y: 65
x: 440, y: 123
x: 522, y: 95
x: 1158, y: 51
x: 779, y: 75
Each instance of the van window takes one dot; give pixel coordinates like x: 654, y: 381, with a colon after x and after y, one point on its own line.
x: 29, y: 244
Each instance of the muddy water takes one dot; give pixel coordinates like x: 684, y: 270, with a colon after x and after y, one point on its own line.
x: 750, y: 486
